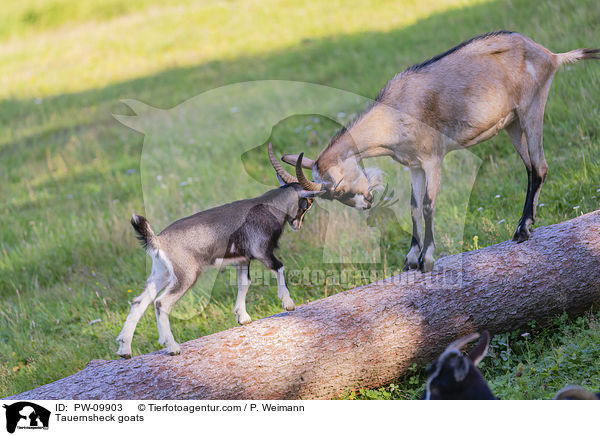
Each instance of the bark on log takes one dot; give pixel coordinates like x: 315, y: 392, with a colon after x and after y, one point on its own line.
x: 368, y: 336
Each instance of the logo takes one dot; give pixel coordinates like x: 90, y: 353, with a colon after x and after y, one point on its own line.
x: 234, y: 124
x: 26, y: 415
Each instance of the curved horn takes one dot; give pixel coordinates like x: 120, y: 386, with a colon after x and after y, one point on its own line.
x: 304, y: 182
x: 291, y: 159
x: 281, y: 173
x: 459, y: 343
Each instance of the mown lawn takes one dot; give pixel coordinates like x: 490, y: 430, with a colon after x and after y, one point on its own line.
x: 72, y: 175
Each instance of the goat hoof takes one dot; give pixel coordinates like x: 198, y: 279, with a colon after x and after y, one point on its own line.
x: 409, y: 266
x: 243, y: 319
x: 523, y: 231
x: 174, y: 351
x: 124, y: 351
x: 426, y: 265
x: 521, y: 235
x: 289, y: 305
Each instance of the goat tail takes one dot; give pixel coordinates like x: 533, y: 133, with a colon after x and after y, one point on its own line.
x: 144, y: 233
x: 580, y: 54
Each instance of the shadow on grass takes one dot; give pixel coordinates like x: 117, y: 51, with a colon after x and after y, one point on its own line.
x: 360, y: 63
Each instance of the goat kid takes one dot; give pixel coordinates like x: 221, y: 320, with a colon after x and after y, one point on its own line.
x: 232, y: 234
x: 453, y: 101
x: 454, y: 376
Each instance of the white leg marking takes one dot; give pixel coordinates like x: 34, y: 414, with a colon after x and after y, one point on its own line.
x: 163, y: 307
x: 282, y: 291
x: 156, y: 282
x: 163, y: 304
x: 243, y: 283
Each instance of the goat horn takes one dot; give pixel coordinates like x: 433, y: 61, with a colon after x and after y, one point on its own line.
x: 304, y: 182
x: 459, y: 343
x: 281, y: 173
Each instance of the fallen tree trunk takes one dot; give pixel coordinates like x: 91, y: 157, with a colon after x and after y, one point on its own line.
x: 368, y: 336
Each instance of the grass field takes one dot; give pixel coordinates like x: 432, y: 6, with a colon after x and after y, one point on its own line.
x: 71, y: 175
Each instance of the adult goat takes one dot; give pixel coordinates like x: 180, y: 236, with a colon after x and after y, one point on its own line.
x: 453, y: 101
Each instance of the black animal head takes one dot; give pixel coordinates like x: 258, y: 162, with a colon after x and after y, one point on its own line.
x: 454, y: 376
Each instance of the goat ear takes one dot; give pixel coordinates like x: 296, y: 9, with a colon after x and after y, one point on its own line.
x: 293, y: 158
x: 480, y: 350
x: 461, y: 369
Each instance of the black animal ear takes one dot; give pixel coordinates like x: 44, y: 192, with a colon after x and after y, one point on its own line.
x: 461, y: 368
x: 480, y: 350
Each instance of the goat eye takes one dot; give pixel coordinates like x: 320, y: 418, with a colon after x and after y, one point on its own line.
x: 303, y: 203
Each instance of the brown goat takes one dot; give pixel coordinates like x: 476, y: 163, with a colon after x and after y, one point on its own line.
x: 460, y: 98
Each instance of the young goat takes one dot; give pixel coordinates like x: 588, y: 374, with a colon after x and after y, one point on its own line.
x: 453, y: 101
x: 454, y: 376
x: 232, y: 234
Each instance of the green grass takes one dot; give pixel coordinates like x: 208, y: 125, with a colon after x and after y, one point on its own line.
x: 529, y: 364
x: 71, y: 175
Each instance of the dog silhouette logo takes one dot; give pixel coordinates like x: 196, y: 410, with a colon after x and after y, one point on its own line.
x: 26, y: 415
